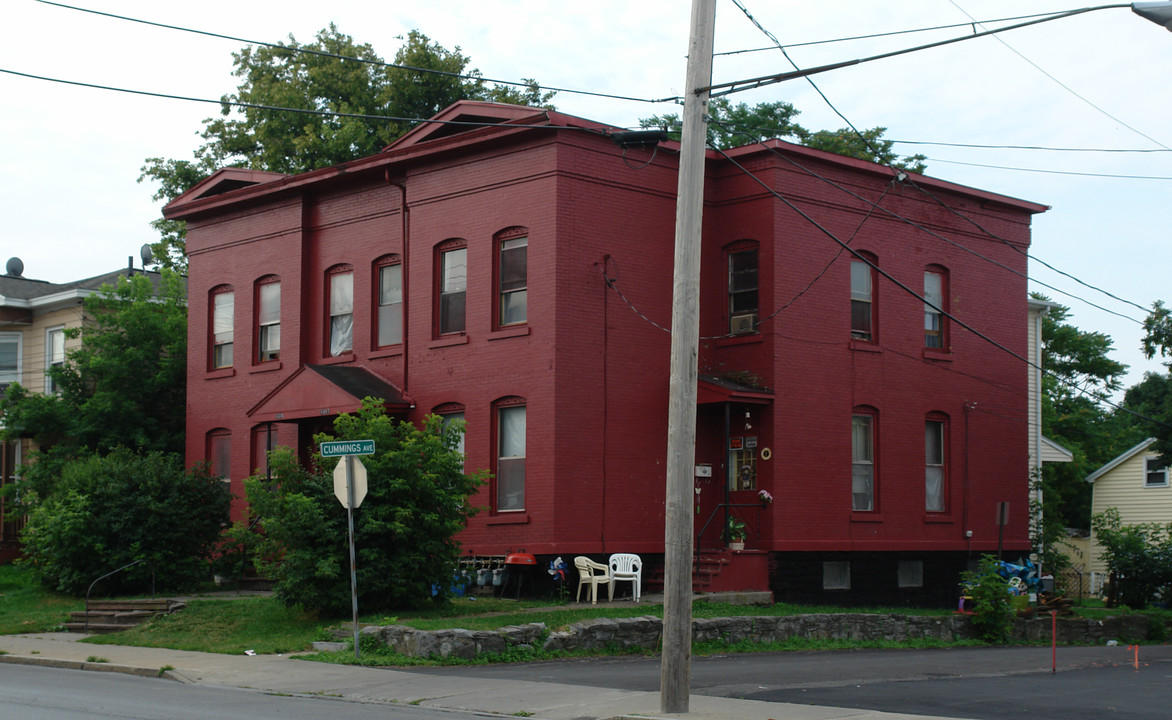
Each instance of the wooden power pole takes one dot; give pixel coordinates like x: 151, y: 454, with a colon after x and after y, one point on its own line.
x: 675, y: 665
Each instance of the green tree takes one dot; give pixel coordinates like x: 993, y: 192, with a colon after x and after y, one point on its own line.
x: 1080, y: 375
x: 125, y: 384
x: 1139, y: 558
x: 1152, y: 397
x: 103, y: 512
x: 261, y: 136
x: 741, y: 124
x: 404, y: 531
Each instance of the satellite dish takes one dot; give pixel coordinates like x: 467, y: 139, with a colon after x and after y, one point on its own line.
x: 15, y: 267
x: 147, y: 256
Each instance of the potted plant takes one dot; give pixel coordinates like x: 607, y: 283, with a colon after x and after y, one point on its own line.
x: 736, y: 534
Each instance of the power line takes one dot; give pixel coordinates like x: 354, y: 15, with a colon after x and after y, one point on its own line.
x: 1063, y: 85
x: 377, y: 63
x: 859, y: 256
x: 1030, y: 147
x: 1052, y: 172
x: 303, y: 111
x: 881, y: 35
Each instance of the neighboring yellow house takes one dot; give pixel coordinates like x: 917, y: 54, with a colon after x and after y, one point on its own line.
x: 34, y: 315
x: 1136, y: 485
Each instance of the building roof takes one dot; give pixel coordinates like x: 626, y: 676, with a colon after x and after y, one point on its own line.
x: 27, y: 294
x: 1120, y: 460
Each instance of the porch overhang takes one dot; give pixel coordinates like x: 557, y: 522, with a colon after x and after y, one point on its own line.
x: 315, y: 391
x: 712, y: 390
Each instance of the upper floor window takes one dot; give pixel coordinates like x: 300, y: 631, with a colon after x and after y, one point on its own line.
x: 9, y: 359
x: 863, y: 461
x: 54, y: 357
x: 453, y: 286
x: 1155, y: 475
x: 935, y: 475
x: 390, y: 302
x: 935, y: 290
x: 510, y: 459
x: 513, y: 277
x: 223, y: 317
x: 742, y: 291
x: 268, y: 319
x: 862, y: 300
x: 341, y: 310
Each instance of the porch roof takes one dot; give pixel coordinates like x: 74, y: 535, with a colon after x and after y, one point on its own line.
x: 322, y: 390
x: 711, y: 390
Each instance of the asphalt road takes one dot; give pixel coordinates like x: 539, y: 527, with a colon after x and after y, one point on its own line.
x: 980, y: 683
x: 44, y: 693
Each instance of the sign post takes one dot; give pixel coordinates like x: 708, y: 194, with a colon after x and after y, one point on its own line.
x: 350, y: 489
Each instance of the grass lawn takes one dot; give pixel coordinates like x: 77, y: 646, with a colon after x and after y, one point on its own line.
x: 26, y: 607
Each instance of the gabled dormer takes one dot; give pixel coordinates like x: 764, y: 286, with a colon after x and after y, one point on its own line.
x: 466, y: 116
x: 223, y: 181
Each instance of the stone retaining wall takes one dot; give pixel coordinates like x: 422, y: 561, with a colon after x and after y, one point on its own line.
x: 644, y: 632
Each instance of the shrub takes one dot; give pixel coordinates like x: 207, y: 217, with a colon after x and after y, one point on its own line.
x: 104, y: 512
x: 992, y: 613
x: 404, y: 531
x: 1139, y: 558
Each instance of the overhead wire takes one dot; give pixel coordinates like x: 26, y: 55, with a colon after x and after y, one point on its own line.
x: 303, y: 111
x: 377, y: 63
x: 897, y: 171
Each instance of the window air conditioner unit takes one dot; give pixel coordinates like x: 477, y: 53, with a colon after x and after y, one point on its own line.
x: 744, y: 323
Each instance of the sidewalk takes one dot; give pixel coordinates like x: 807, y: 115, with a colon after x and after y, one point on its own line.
x: 284, y: 674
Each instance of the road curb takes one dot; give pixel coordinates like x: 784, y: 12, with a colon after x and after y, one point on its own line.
x: 90, y: 666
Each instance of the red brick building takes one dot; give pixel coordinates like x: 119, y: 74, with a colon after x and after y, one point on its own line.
x: 513, y: 267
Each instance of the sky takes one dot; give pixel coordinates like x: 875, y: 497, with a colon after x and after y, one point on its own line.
x: 73, y: 207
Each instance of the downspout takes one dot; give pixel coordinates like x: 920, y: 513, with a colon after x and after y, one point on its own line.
x: 1036, y: 473
x: 605, y: 399
x: 404, y: 215
x: 726, y: 467
x: 964, y: 521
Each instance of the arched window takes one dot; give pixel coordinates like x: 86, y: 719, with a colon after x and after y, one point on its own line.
x: 451, y: 258
x: 864, y: 322
x: 936, y: 463
x: 219, y: 452
x: 267, y: 301
x: 340, y: 310
x: 935, y: 307
x: 512, y: 275
x: 864, y: 463
x: 510, y: 454
x: 388, y: 282
x: 222, y: 311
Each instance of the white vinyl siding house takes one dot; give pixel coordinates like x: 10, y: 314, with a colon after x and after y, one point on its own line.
x: 1133, y: 485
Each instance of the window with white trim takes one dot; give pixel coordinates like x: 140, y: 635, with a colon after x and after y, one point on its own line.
x: 341, y: 311
x: 510, y: 463
x: 1155, y: 474
x: 223, y: 319
x: 268, y: 320
x: 54, y: 357
x: 10, y: 359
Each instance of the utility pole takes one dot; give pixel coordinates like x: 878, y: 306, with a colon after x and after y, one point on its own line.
x: 676, y: 659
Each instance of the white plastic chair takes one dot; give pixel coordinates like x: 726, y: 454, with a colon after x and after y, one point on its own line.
x: 593, y: 574
x: 629, y: 568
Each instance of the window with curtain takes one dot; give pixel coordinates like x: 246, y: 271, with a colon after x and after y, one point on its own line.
x: 268, y: 320
x: 934, y: 293
x: 934, y: 478
x: 862, y: 463
x: 341, y: 312
x: 514, y: 288
x: 510, y: 464
x: 862, y: 301
x: 223, y: 317
x: 390, y: 304
x: 742, y: 291
x: 54, y: 357
x: 453, y: 285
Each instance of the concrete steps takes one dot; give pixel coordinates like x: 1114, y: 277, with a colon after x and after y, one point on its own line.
x: 108, y: 616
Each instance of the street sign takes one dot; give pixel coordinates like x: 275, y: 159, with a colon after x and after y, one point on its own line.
x: 338, y: 448
x: 356, y: 477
